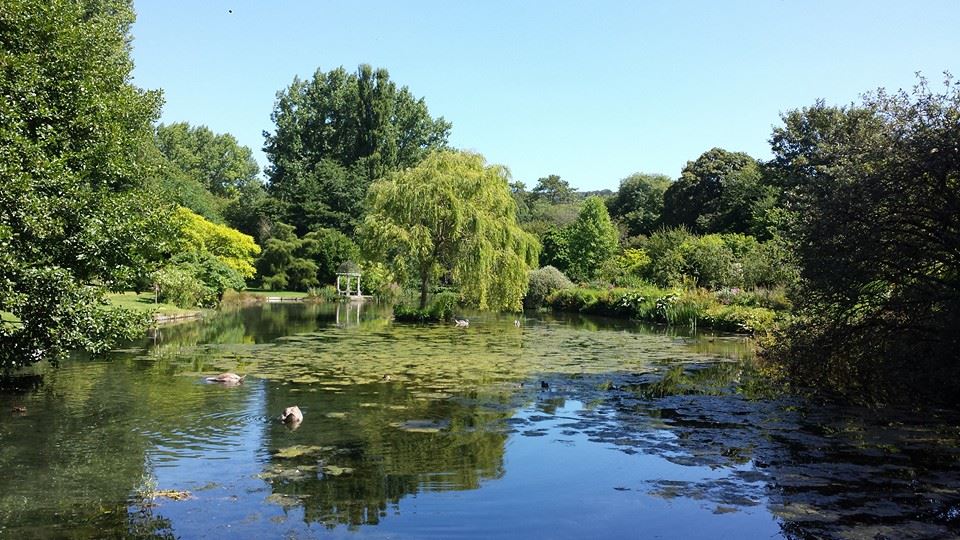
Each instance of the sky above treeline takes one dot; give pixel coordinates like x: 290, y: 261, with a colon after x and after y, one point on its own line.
x: 591, y: 91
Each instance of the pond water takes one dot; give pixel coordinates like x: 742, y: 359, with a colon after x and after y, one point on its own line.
x: 559, y: 428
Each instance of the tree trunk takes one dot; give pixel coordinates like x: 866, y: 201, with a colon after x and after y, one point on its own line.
x: 424, y: 281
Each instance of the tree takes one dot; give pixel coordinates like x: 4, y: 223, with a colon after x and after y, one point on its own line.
x: 361, y: 123
x: 591, y: 240
x: 452, y: 216
x: 716, y: 193
x: 235, y: 249
x: 217, y: 161
x: 328, y: 249
x: 874, y: 195
x: 555, y: 250
x: 638, y: 203
x: 72, y: 218
x: 553, y: 189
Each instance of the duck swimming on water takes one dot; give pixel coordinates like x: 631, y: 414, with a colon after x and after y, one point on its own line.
x: 227, y: 378
x: 461, y: 322
x: 292, y: 415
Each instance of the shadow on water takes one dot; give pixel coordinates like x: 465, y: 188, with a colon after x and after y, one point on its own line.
x: 565, y: 427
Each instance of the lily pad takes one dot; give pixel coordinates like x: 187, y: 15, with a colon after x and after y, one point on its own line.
x: 334, y: 470
x: 299, y: 450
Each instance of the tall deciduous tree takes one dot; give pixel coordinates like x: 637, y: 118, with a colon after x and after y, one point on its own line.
x: 71, y: 130
x: 716, y: 193
x: 218, y: 161
x: 454, y: 216
x: 874, y: 191
x: 638, y: 203
x: 591, y: 240
x: 337, y: 132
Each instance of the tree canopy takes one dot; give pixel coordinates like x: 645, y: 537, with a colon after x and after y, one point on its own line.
x: 452, y: 217
x: 638, y: 203
x: 715, y: 193
x: 235, y: 249
x: 874, y: 197
x: 591, y: 240
x: 337, y: 132
x: 218, y: 161
x: 553, y: 189
x: 71, y: 129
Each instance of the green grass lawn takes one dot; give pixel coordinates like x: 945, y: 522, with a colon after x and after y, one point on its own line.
x: 281, y: 294
x: 145, y: 302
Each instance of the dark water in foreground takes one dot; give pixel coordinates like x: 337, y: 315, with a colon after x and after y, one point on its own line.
x: 435, y: 431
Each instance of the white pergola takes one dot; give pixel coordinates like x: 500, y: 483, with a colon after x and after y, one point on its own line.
x: 345, y: 282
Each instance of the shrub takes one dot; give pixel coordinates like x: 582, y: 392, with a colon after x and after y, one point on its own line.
x: 667, y: 265
x: 327, y: 293
x: 440, y: 308
x: 442, y: 305
x: 740, y: 319
x: 178, y: 285
x: 710, y: 261
x: 542, y: 283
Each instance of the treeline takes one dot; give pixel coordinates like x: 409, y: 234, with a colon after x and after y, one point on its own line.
x: 852, y: 227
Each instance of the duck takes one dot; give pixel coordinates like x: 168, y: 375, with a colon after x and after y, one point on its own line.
x: 461, y: 322
x: 19, y: 409
x: 227, y: 378
x: 291, y: 415
x: 516, y: 323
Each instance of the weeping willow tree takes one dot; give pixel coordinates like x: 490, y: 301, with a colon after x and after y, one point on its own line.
x: 453, y: 217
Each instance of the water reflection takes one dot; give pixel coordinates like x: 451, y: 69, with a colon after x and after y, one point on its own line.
x: 563, y: 427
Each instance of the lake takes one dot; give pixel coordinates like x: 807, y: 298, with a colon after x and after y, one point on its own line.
x: 563, y: 427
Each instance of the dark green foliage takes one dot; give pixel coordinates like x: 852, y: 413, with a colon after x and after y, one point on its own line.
x: 326, y: 195
x: 253, y: 212
x: 335, y: 134
x: 638, y: 203
x: 71, y: 130
x: 288, y: 262
x: 716, y: 260
x: 664, y: 306
x: 440, y: 308
x: 716, y: 193
x: 591, y: 240
x: 57, y: 315
x: 329, y: 249
x: 874, y: 191
x: 543, y: 282
x: 667, y: 264
x: 553, y: 190
x: 217, y: 161
x: 556, y: 251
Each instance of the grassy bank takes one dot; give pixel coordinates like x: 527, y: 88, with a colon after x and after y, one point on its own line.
x: 730, y: 310
x: 278, y: 294
x: 145, y: 303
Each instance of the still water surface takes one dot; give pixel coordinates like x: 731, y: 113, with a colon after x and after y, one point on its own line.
x: 562, y: 428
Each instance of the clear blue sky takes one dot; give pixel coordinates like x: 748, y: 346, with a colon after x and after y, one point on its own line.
x: 590, y: 90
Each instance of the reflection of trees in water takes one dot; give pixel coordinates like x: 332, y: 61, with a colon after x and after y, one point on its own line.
x: 79, y: 452
x: 824, y: 471
x: 258, y: 324
x: 347, y: 469
x: 54, y: 462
